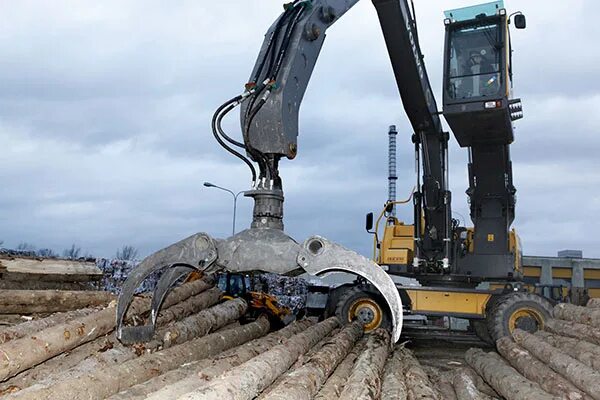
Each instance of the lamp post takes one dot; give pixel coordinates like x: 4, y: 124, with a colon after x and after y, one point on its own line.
x: 235, y: 196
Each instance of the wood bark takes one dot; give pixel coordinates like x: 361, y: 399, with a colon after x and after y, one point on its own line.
x: 33, y: 326
x: 582, y: 376
x: 364, y: 381
x: 104, y: 382
x: 333, y: 387
x: 100, y: 352
x: 505, y: 380
x: 465, y: 385
x: 418, y: 385
x: 583, y: 315
x: 586, y: 352
x: 574, y: 330
x: 189, y: 306
x: 252, y: 377
x: 594, y: 303
x: 480, y: 383
x: 50, y: 301
x: 536, y: 371
x: 441, y: 382
x: 393, y: 386
x: 191, y: 376
x: 21, y: 354
x: 198, y: 325
x: 304, y: 382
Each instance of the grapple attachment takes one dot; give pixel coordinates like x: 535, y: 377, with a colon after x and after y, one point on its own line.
x: 256, y: 249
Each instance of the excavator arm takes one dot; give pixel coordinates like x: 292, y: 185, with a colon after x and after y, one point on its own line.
x: 269, y: 119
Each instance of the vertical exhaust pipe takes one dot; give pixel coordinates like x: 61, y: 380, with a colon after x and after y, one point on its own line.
x: 392, y: 176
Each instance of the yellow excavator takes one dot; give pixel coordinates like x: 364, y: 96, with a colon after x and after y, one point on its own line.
x: 468, y: 272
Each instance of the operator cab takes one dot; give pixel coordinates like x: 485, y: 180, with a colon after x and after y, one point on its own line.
x: 478, y: 103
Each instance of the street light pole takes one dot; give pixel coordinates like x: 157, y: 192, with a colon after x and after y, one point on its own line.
x: 235, y: 196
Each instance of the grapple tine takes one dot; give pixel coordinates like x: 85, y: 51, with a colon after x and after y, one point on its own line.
x: 195, y: 252
x: 169, y: 278
x: 318, y: 256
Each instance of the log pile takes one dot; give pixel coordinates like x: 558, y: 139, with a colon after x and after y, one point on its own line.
x: 33, y: 273
x: 205, y: 348
x: 560, y: 362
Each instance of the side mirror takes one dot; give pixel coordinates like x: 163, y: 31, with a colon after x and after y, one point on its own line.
x: 369, y: 222
x: 520, y: 21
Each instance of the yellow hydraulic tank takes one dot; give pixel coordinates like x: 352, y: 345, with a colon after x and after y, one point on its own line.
x: 397, y: 246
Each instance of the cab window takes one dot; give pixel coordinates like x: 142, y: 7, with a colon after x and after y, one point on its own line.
x: 475, y: 62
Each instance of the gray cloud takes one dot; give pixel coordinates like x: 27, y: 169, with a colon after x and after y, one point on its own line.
x: 105, y: 124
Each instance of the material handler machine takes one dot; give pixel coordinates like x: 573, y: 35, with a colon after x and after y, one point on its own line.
x: 469, y: 272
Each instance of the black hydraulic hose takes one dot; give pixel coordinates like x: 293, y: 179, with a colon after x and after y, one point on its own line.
x: 223, y: 144
x: 286, y: 41
x: 262, y: 156
x: 272, y: 41
x: 222, y: 132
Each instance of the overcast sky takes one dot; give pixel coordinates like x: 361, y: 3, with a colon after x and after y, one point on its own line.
x: 105, y: 123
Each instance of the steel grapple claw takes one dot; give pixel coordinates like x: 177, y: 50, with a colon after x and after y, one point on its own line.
x: 319, y: 256
x: 197, y: 252
x: 264, y: 249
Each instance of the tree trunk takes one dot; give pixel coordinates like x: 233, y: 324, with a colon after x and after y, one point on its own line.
x: 441, y: 382
x: 536, y: 371
x: 586, y: 352
x: 365, y: 380
x: 503, y: 378
x: 30, y: 327
x: 333, y: 387
x: 103, y: 351
x: 305, y: 381
x: 189, y: 306
x: 249, y: 379
x: 582, y: 376
x: 583, y: 315
x: 191, y: 376
x: 393, y: 386
x: 198, y: 324
x: 105, y: 382
x: 594, y: 303
x: 465, y: 385
x: 417, y: 382
x: 21, y: 354
x: 49, y: 301
x: 574, y: 330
